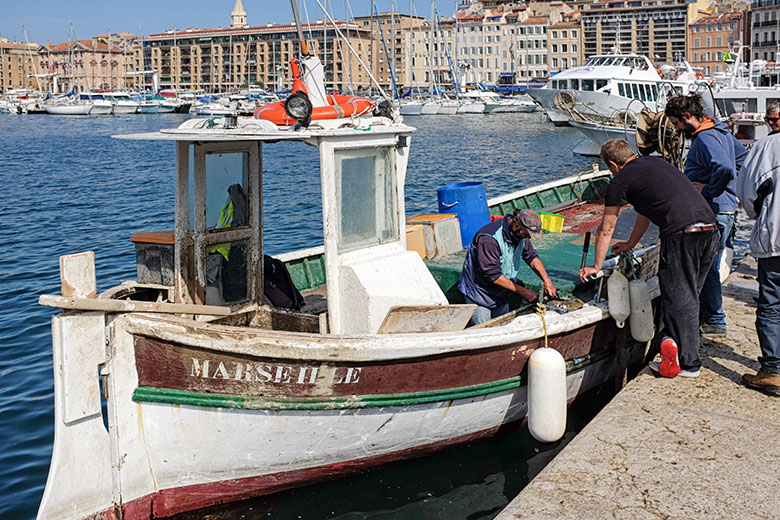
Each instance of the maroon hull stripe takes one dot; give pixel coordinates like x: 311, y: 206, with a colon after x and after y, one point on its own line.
x: 180, y: 367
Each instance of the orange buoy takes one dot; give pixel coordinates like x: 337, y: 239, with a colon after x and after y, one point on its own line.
x: 699, y: 75
x: 338, y: 107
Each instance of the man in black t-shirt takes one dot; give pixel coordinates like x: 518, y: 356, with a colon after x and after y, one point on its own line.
x: 661, y: 194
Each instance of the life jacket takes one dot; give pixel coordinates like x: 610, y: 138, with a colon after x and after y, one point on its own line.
x: 233, y: 212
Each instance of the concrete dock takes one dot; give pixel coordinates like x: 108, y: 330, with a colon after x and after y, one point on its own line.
x: 678, y: 448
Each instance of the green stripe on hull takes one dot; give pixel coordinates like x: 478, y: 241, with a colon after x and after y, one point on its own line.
x: 188, y: 398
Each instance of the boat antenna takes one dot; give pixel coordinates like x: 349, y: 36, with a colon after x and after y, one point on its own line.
x: 355, y: 54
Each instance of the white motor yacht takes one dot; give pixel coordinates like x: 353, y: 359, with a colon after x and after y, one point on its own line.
x: 603, y: 86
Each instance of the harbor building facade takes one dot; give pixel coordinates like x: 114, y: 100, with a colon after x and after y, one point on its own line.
x: 17, y: 65
x: 390, y: 44
x: 712, y: 40
x: 655, y: 28
x: 766, y: 30
x: 564, y: 46
x: 86, y: 65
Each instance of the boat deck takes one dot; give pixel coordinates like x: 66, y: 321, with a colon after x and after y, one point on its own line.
x: 674, y: 448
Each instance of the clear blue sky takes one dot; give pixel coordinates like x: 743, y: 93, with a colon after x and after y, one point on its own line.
x: 50, y: 19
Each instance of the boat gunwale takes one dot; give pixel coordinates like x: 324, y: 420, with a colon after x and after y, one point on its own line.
x: 280, y: 344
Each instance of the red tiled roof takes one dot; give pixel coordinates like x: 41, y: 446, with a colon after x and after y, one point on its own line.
x: 18, y: 45
x: 715, y: 18
x: 534, y: 21
x: 269, y: 28
x: 100, y: 46
x: 564, y: 24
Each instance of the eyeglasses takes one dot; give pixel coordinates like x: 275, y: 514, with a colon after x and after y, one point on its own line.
x: 772, y: 119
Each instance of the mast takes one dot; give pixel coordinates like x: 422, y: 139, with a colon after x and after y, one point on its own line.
x: 349, y: 62
x: 32, y: 60
x: 392, y: 45
x: 110, y: 67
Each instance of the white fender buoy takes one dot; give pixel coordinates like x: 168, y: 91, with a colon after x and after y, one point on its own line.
x: 546, y: 395
x: 725, y: 263
x: 641, y: 319
x: 619, y: 301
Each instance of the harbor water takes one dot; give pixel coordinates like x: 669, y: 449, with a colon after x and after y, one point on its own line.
x: 68, y: 187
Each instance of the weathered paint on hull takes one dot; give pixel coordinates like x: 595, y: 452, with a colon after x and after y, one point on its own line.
x: 356, y: 439
x: 178, y: 440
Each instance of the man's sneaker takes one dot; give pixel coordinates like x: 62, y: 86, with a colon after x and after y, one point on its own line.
x: 655, y: 365
x: 763, y: 381
x: 712, y: 331
x: 668, y: 366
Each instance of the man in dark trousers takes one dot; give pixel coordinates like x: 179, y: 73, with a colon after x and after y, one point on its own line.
x: 712, y: 164
x: 661, y: 194
x: 489, y: 275
x: 758, y: 188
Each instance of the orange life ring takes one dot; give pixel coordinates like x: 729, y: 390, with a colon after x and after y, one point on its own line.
x: 771, y: 66
x: 338, y: 107
x: 660, y: 72
x: 699, y: 75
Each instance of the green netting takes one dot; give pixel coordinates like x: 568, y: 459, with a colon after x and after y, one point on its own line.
x: 561, y: 254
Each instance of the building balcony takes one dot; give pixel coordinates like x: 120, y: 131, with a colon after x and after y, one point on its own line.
x: 766, y: 43
x: 765, y: 3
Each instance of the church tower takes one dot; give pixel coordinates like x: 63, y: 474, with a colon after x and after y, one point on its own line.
x: 238, y: 16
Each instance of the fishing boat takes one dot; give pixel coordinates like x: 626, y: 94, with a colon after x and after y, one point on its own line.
x: 213, y: 394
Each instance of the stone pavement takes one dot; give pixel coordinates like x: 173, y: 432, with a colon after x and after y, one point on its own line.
x: 702, y: 448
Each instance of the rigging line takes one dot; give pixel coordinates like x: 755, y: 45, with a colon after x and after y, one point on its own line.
x: 355, y: 54
x: 308, y: 21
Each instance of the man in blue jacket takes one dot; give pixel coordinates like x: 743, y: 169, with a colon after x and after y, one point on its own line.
x: 489, y: 275
x: 713, y: 161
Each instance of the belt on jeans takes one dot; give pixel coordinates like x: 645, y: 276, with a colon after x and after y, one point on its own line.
x: 699, y: 227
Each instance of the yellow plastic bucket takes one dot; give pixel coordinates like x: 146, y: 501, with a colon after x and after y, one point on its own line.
x: 551, y: 222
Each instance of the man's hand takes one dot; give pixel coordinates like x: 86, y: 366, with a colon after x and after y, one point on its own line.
x: 621, y: 247
x: 550, y: 289
x: 527, y: 294
x: 585, y: 272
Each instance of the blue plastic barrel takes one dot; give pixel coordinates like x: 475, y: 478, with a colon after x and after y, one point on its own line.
x: 468, y: 201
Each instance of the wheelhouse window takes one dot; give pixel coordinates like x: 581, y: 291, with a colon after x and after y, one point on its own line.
x: 368, y: 205
x: 227, y: 208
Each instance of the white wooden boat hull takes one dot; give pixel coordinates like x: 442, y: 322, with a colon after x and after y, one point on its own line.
x: 69, y: 109
x: 201, y: 418
x: 411, y: 109
x: 597, y: 134
x: 431, y: 108
x: 101, y: 108
x: 148, y: 108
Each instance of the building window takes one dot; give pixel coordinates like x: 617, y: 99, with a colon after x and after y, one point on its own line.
x: 696, y: 43
x: 718, y: 41
x: 565, y: 34
x: 555, y: 63
x: 555, y: 34
x: 574, y: 34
